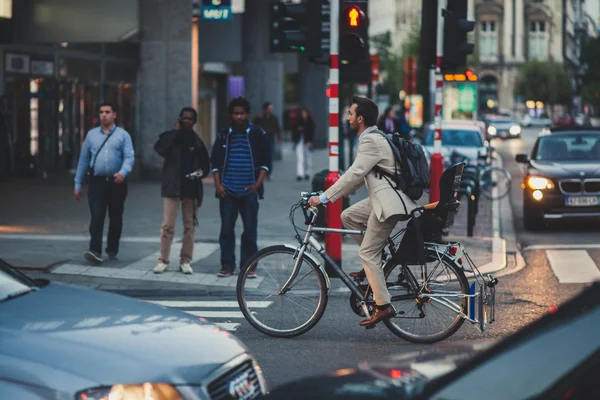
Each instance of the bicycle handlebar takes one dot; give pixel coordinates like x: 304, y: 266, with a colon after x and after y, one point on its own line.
x: 305, y: 207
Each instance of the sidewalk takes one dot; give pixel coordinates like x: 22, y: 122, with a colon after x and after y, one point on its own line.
x: 44, y: 231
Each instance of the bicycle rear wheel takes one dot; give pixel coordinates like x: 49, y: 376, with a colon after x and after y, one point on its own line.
x: 494, y: 178
x: 278, y: 314
x: 427, y: 320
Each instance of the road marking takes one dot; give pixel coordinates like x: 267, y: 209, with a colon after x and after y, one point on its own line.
x: 215, y: 304
x: 573, y: 266
x: 216, y: 314
x: 561, y: 246
x: 74, y: 238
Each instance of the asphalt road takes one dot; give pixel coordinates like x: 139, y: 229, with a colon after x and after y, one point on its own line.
x: 339, y: 342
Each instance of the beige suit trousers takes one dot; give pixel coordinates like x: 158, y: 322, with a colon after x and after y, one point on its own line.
x: 171, y: 206
x: 371, y: 244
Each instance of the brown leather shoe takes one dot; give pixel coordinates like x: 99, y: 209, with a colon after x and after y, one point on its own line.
x: 379, y: 315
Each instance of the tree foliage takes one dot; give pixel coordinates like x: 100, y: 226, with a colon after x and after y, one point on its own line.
x: 392, y: 60
x: 545, y: 81
x: 590, y: 57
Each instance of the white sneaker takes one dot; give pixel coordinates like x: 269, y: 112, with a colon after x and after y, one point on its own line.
x: 160, y: 268
x: 186, y: 268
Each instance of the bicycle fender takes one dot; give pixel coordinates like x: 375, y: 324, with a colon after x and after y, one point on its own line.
x: 316, y: 262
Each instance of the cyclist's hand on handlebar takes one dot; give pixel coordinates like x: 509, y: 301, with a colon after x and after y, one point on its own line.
x: 314, y: 201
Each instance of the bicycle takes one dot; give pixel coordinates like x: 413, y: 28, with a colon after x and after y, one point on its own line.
x: 423, y: 232
x: 494, y: 182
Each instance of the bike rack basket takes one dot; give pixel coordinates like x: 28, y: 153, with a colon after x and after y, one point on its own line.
x: 481, y: 304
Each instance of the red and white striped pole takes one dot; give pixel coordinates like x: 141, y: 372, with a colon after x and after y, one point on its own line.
x: 437, y: 159
x: 333, y: 211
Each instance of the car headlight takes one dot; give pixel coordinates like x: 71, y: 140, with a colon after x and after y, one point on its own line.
x: 515, y: 130
x: 539, y: 183
x: 142, y: 391
x: 491, y: 130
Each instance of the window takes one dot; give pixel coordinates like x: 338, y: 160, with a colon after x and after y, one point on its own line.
x: 581, y: 148
x: 456, y: 137
x: 6, y: 9
x: 488, y: 41
x: 538, y: 40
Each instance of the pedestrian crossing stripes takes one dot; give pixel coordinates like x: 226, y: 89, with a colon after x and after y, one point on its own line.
x: 573, y: 266
x: 223, y: 313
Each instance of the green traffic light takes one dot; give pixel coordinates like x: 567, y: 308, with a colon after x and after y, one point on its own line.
x: 302, y: 48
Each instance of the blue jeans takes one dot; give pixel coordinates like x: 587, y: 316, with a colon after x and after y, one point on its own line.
x: 247, y: 207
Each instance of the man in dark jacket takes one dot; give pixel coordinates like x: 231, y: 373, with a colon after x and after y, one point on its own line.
x: 241, y: 160
x: 270, y: 124
x: 184, y: 153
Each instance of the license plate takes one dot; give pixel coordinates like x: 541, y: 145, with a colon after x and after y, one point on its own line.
x: 580, y: 201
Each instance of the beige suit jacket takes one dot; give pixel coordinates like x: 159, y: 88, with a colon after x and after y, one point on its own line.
x: 373, y: 150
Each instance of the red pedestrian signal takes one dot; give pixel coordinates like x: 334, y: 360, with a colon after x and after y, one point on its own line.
x: 353, y: 15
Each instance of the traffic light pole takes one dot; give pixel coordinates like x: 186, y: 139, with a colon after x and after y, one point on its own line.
x: 437, y: 159
x: 333, y: 211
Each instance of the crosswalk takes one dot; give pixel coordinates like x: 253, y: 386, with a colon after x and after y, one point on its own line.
x: 572, y: 264
x: 225, y: 314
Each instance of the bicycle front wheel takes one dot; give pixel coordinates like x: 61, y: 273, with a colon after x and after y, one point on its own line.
x: 494, y: 183
x: 280, y: 313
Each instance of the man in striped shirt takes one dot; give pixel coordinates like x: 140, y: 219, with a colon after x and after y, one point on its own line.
x: 241, y: 160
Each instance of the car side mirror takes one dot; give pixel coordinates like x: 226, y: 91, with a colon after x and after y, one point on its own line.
x: 522, y: 158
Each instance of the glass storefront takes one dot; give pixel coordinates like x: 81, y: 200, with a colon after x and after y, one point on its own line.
x: 51, y: 118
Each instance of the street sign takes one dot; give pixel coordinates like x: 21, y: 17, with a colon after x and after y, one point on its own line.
x: 467, y: 97
x: 216, y: 10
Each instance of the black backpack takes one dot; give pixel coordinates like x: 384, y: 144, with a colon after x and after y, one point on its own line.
x: 413, y: 178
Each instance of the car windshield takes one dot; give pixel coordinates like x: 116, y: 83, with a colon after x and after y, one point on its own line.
x: 569, y: 147
x: 456, y: 137
x: 501, y: 121
x: 11, y: 284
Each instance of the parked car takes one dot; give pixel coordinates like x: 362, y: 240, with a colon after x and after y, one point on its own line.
x: 60, y: 341
x: 556, y: 357
x: 562, y: 177
x: 535, y: 121
x: 464, y: 137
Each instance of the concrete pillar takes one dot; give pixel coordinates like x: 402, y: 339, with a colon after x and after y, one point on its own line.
x: 507, y: 30
x: 165, y: 71
x: 313, y: 83
x: 264, y: 71
x: 520, y: 31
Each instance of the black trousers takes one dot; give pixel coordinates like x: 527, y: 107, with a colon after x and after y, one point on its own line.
x: 106, y: 195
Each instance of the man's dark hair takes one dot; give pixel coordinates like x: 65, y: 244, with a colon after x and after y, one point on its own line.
x: 266, y: 105
x: 191, y: 110
x: 367, y: 109
x: 239, y: 102
x: 107, y: 104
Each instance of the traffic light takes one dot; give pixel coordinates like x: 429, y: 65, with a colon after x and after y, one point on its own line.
x: 428, y: 35
x: 354, y: 57
x: 456, y: 27
x: 300, y: 27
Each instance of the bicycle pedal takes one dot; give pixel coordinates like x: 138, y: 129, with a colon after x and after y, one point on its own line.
x: 370, y: 326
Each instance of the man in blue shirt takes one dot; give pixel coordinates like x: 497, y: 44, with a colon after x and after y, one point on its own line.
x: 241, y: 160
x: 107, y: 157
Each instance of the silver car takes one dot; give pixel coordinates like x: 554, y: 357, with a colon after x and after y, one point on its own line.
x: 60, y: 341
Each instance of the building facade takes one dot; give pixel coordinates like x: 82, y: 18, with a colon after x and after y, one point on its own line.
x: 156, y: 61
x: 511, y: 32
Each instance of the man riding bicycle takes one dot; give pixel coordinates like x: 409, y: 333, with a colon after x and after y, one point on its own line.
x: 381, y: 211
